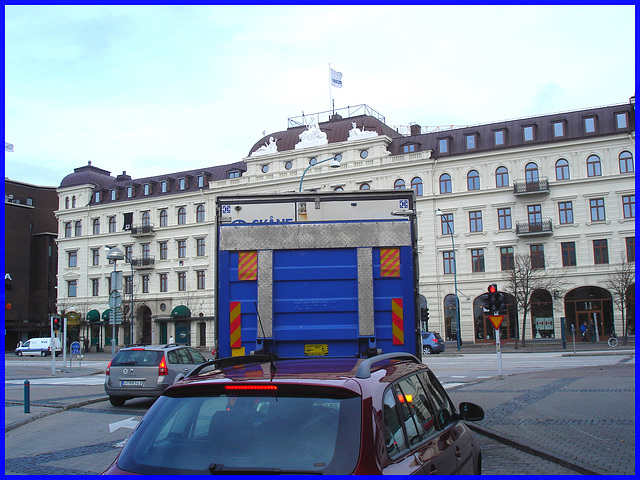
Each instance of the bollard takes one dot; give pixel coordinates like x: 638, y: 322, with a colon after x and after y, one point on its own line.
x: 27, y: 394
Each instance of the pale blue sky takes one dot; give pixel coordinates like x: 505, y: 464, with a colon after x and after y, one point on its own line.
x: 158, y: 89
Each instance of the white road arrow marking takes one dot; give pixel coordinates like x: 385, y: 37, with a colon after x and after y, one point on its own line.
x: 128, y: 423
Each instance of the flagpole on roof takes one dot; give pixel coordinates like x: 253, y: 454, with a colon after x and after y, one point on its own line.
x: 330, y: 85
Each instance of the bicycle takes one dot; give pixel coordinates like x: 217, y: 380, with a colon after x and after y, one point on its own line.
x: 613, y: 340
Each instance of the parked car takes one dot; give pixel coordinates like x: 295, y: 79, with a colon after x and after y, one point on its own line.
x: 147, y: 370
x: 432, y: 342
x: 387, y: 414
x: 38, y: 346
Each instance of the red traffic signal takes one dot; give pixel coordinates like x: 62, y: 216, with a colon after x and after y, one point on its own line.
x: 493, y: 288
x: 56, y: 323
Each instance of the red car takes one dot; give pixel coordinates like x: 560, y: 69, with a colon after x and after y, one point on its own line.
x: 251, y: 415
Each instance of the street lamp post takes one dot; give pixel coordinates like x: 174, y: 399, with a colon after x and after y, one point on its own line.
x: 334, y: 164
x: 455, y: 279
x: 115, y: 299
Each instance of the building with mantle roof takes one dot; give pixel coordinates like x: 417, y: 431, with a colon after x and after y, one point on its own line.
x: 559, y: 188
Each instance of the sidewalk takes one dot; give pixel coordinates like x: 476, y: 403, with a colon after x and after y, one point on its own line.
x: 542, y: 345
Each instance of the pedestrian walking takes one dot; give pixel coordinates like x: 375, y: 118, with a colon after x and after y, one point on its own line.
x: 583, y: 331
x: 591, y: 329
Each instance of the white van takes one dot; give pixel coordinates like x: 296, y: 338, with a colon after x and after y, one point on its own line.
x: 38, y: 346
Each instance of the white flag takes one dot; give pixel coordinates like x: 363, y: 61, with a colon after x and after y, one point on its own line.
x: 336, y: 79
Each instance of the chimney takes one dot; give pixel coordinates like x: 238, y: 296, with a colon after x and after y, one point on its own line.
x: 415, y: 129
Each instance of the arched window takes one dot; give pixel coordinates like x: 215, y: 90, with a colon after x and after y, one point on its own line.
x: 594, y: 168
x: 182, y: 216
x: 67, y: 230
x: 450, y: 318
x: 338, y: 189
x: 626, y: 162
x: 78, y: 230
x: 445, y: 183
x: 164, y: 218
x: 96, y: 226
x: 399, y: 184
x: 365, y: 186
x: 66, y: 202
x: 200, y: 213
x: 473, y: 180
x: 562, y: 169
x: 73, y: 202
x: 416, y: 184
x: 531, y: 173
x: 112, y: 224
x: 146, y: 219
x: 502, y: 177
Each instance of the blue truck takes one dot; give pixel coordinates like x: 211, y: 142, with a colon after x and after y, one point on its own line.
x: 317, y: 274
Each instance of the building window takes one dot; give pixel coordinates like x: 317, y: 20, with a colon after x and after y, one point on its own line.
x: 471, y: 141
x: 504, y: 218
x: 506, y: 258
x: 182, y: 248
x: 145, y: 283
x: 128, y: 284
x: 200, y: 247
x: 531, y: 173
x: 95, y: 287
x: 73, y: 259
x: 445, y: 183
x: 631, y: 249
x: 565, y: 212
x: 449, y: 262
x: 288, y: 165
x: 502, y: 177
x: 146, y: 250
x: 629, y: 206
x: 72, y: 288
x: 200, y: 213
x: 129, y: 192
x: 114, y: 194
x: 473, y: 180
x: 590, y: 125
x: 182, y: 281
x: 73, y: 202
x: 264, y: 168
x: 97, y: 197
x: 338, y: 189
x: 600, y: 252
x: 182, y: 183
x: 164, y: 283
x: 593, y: 166
x: 568, y: 254
x: 164, y: 186
x: 313, y: 161
x: 443, y: 145
x: 535, y: 215
x: 416, y: 184
x: 182, y: 216
x: 146, y: 219
x: 558, y: 129
x: 96, y: 226
x: 200, y: 277
x: 95, y: 256
x: 365, y: 186
x: 528, y: 133
x: 78, y: 229
x: 408, y: 148
x: 446, y: 223
x: 399, y: 184
x: 128, y: 253
x: 200, y: 181
x: 112, y: 224
x: 146, y: 189
x: 597, y: 209
x: 499, y: 138
x: 233, y: 174
x: 626, y: 162
x: 66, y: 202
x: 537, y: 256
x: 67, y: 230
x: 562, y: 169
x: 475, y: 221
x: 621, y: 120
x: 164, y: 218
x: 477, y: 260
x: 364, y: 154
x: 164, y: 250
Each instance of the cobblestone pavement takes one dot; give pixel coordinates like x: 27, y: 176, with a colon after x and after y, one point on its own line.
x: 582, y: 417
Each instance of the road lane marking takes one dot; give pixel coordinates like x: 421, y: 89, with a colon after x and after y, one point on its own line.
x: 126, y: 423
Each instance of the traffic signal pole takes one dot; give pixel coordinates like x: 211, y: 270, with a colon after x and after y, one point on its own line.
x: 53, y: 355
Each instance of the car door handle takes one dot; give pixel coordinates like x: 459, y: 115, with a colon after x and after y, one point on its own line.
x: 458, y: 451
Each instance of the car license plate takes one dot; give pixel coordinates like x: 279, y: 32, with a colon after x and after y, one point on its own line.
x: 316, y: 349
x: 132, y: 383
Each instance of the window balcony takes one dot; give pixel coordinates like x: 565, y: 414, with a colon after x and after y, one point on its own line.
x: 142, y: 230
x: 524, y: 229
x: 528, y: 188
x: 143, y: 263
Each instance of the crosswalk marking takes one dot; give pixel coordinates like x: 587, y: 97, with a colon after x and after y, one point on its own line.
x: 88, y: 380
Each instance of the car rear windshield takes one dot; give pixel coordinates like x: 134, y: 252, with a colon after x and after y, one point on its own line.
x: 246, y: 433
x: 137, y: 358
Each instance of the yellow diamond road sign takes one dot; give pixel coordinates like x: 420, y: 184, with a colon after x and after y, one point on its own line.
x: 496, y: 320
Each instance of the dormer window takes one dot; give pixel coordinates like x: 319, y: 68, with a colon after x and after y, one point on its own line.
x: 114, y: 194
x: 233, y: 174
x: 97, y: 197
x: 499, y: 138
x: 409, y: 148
x: 129, y: 191
x: 558, y: 129
x: 164, y: 186
x: 589, y: 124
x: 200, y: 181
x: 528, y: 133
x: 147, y: 189
x: 443, y: 145
x: 621, y: 120
x: 182, y: 184
x: 471, y: 141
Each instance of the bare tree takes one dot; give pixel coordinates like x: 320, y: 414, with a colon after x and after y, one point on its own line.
x: 523, y: 280
x: 621, y: 277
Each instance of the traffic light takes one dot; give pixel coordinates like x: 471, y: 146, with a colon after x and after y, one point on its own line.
x: 502, y: 306
x: 56, y: 323
x: 493, y: 298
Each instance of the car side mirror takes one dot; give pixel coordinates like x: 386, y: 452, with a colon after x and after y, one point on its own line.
x: 471, y: 412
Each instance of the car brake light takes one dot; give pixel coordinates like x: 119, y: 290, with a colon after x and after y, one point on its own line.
x: 402, y: 398
x: 162, y: 368
x: 251, y: 387
x: 108, y: 368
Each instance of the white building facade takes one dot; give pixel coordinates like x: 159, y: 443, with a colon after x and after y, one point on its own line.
x: 558, y: 187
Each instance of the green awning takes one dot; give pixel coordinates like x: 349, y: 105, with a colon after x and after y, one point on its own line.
x: 93, y: 316
x: 105, y: 314
x: 181, y: 312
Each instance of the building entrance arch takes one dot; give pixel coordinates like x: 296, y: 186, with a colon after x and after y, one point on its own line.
x: 590, y: 305
x: 143, y: 323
